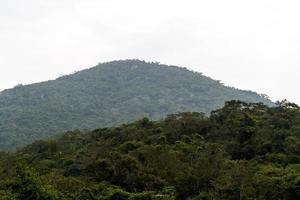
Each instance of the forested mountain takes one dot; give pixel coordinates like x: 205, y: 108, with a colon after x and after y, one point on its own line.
x: 240, y: 152
x: 108, y: 94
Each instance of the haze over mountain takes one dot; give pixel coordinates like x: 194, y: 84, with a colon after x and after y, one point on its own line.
x: 108, y: 94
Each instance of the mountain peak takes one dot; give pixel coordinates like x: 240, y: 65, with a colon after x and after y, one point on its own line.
x: 108, y: 94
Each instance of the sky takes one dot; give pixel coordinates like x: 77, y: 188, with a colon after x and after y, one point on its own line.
x: 252, y: 45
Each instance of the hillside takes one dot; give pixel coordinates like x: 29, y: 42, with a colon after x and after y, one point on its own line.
x: 108, y: 94
x: 242, y: 151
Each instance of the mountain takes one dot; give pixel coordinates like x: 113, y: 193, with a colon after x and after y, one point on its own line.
x: 108, y: 94
x: 242, y: 151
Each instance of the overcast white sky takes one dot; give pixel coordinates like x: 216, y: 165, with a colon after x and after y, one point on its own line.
x: 249, y: 44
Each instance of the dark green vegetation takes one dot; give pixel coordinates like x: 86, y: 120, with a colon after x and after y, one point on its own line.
x: 106, y: 95
x: 242, y: 151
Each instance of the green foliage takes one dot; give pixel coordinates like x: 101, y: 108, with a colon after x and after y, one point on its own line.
x: 243, y: 151
x: 108, y: 94
x: 7, y: 195
x: 28, y: 185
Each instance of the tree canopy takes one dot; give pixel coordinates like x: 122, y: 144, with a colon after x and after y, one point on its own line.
x: 243, y: 151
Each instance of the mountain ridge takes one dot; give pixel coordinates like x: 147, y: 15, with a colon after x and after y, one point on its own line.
x: 108, y: 94
x: 130, y: 60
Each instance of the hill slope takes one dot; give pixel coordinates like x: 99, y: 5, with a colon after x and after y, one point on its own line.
x: 108, y: 94
x: 242, y: 151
